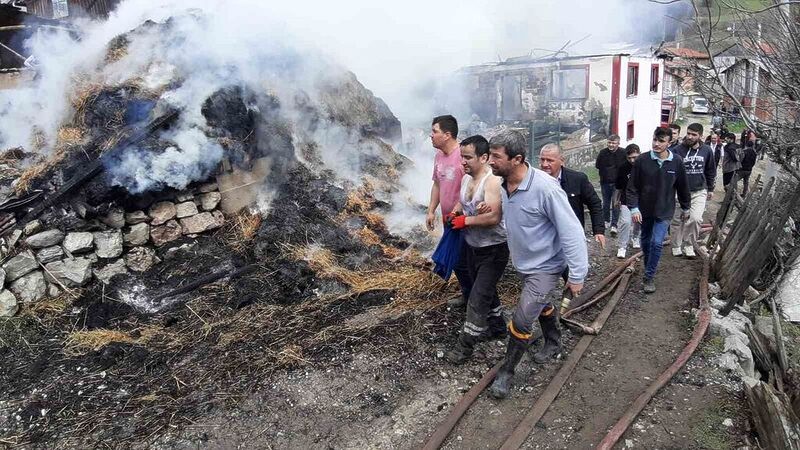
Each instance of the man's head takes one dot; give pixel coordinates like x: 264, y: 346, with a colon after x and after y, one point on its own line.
x: 661, y: 139
x: 694, y: 135
x: 632, y: 152
x: 730, y: 137
x: 550, y: 159
x: 676, y: 132
x: 506, y: 152
x: 444, y: 130
x: 474, y: 153
x: 613, y: 142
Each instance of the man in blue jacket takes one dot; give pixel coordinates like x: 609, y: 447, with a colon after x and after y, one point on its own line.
x: 701, y: 171
x: 544, y: 238
x: 655, y: 178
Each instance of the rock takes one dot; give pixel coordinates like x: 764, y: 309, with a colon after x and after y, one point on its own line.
x: 787, y: 296
x: 73, y: 272
x: 733, y: 324
x: 14, y: 238
x: 32, y: 227
x: 727, y: 423
x: 764, y: 326
x: 136, y: 217
x: 8, y: 304
x: 50, y: 254
x: 162, y: 212
x: 184, y: 197
x: 174, y: 251
x: 186, y: 209
x: 79, y: 242
x: 53, y: 290
x: 44, y: 239
x: 117, y: 267
x: 201, y: 222
x: 19, y: 266
x: 108, y: 244
x: 210, y: 201
x: 2, y: 278
x: 115, y: 218
x: 168, y: 232
x: 140, y: 259
x: 713, y: 289
x: 92, y: 257
x: 30, y: 288
x: 138, y: 234
x: 738, y: 347
x: 208, y: 187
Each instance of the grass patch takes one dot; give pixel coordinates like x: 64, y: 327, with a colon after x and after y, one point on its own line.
x: 736, y: 127
x: 708, y: 430
x: 712, y: 347
x: 593, y: 174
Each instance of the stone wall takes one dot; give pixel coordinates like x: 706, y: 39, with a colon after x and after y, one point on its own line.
x: 583, y: 157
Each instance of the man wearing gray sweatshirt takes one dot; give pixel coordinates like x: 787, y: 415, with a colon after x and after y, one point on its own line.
x: 544, y: 238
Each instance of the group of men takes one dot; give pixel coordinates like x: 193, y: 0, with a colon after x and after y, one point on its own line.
x: 507, y: 208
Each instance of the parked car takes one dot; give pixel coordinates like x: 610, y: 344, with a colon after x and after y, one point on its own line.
x: 700, y: 105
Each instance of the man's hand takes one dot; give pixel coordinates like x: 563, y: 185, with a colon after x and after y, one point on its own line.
x: 684, y: 215
x: 576, y: 288
x: 636, y: 217
x: 484, y: 208
x: 710, y: 195
x: 459, y: 222
x: 430, y: 219
x: 601, y: 239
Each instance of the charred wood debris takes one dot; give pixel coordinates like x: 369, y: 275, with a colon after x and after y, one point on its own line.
x: 134, y: 313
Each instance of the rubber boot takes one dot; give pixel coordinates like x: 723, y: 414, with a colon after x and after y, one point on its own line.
x: 462, y: 351
x: 497, y: 330
x: 502, y: 382
x: 552, y: 338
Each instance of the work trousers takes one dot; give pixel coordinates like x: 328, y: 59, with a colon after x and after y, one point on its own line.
x: 744, y: 175
x: 687, y: 232
x: 726, y: 178
x: 627, y: 228
x: 533, y: 300
x: 653, y: 233
x: 484, y: 313
x: 610, y: 214
x: 462, y: 273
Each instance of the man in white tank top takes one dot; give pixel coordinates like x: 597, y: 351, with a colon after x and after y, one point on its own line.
x: 479, y: 214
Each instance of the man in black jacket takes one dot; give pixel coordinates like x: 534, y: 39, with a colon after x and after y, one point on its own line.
x: 579, y: 189
x: 655, y: 178
x: 701, y: 171
x: 748, y: 161
x: 608, y: 162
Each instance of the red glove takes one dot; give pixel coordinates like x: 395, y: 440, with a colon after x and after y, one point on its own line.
x: 459, y: 222
x: 448, y: 219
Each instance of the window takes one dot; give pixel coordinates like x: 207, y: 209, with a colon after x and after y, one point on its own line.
x: 60, y: 9
x: 654, y: 78
x: 633, y: 79
x: 570, y: 83
x: 629, y: 135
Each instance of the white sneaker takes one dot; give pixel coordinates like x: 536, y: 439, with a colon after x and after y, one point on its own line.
x: 689, y: 252
x: 637, y: 243
x: 621, y: 253
x: 614, y: 231
x: 676, y: 251
x: 608, y: 225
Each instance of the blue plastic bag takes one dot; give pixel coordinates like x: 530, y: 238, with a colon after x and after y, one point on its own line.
x: 447, y: 252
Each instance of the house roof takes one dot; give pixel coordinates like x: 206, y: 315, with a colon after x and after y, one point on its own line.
x: 683, y: 52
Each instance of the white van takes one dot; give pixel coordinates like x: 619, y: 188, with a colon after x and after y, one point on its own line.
x: 700, y: 105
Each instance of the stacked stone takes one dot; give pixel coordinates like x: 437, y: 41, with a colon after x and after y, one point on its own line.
x: 55, y: 260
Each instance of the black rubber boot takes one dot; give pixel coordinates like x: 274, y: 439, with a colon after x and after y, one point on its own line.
x: 497, y: 330
x: 461, y: 352
x: 552, y: 338
x: 502, y: 382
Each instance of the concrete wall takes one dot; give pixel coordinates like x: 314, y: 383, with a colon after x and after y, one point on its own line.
x: 644, y: 109
x: 582, y: 158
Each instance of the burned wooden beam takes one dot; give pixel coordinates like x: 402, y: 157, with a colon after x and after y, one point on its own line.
x: 95, y: 167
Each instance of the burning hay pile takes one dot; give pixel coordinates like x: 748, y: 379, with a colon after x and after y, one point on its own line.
x: 180, y: 240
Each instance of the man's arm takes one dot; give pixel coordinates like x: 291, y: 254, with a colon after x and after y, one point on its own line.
x: 493, y: 199
x: 430, y: 217
x: 599, y: 158
x: 590, y: 198
x: 571, y: 237
x: 682, y: 187
x: 710, y: 171
x: 632, y: 193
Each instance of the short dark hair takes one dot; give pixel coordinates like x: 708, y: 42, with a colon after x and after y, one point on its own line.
x: 479, y: 142
x: 613, y: 137
x: 663, y: 131
x: 447, y: 124
x: 512, y: 141
x: 696, y: 127
x: 632, y: 148
x: 674, y: 126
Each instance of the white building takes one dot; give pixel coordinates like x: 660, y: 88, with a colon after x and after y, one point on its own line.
x: 609, y: 94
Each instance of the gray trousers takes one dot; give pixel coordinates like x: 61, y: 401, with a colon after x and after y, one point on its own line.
x: 533, y: 300
x: 626, y: 225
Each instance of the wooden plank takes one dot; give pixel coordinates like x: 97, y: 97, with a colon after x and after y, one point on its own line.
x: 776, y: 423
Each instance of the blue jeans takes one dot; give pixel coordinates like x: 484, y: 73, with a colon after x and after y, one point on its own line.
x: 609, y: 214
x: 653, y: 233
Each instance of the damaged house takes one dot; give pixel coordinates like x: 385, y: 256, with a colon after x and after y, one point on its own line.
x: 602, y: 94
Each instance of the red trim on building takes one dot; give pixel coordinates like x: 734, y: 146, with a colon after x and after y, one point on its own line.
x: 654, y: 78
x: 635, y: 91
x: 616, y: 68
